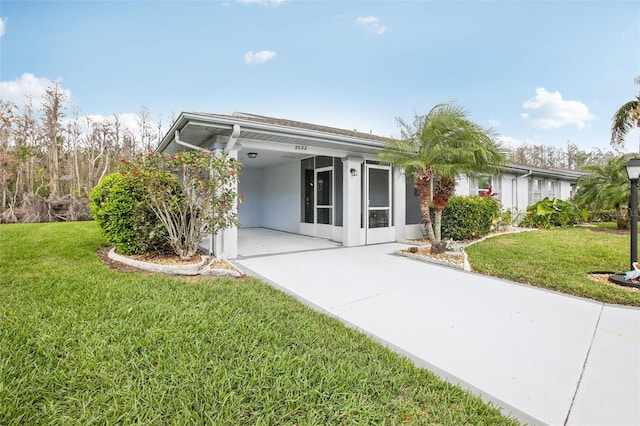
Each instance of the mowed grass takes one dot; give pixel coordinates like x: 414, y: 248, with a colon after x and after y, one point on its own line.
x: 558, y: 259
x: 83, y: 344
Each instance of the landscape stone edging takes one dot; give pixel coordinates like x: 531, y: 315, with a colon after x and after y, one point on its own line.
x: 201, y: 268
x: 466, y: 266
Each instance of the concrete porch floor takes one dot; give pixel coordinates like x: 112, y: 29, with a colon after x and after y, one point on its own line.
x: 262, y: 241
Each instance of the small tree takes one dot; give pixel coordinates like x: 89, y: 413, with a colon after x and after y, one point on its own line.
x: 606, y: 188
x: 436, y: 149
x: 203, y: 203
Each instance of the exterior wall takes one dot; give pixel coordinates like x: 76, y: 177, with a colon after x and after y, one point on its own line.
x: 520, y: 194
x: 506, y: 191
x: 565, y: 190
x: 280, y: 199
x: 250, y: 185
x: 463, y: 186
x: 514, y: 189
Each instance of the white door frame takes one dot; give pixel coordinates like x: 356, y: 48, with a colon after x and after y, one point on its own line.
x: 323, y: 230
x: 380, y: 234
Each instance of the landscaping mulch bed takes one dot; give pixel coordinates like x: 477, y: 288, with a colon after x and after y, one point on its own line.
x: 604, y: 279
x: 456, y: 259
x: 160, y: 259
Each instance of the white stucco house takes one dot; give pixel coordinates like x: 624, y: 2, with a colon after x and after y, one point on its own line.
x: 325, y: 182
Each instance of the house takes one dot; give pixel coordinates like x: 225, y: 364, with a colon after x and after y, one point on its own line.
x: 325, y: 182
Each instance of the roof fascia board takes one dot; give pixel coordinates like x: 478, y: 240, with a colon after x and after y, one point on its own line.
x: 278, y: 130
x: 536, y: 171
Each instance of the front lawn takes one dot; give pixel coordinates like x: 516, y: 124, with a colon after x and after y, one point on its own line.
x: 83, y: 344
x: 559, y: 259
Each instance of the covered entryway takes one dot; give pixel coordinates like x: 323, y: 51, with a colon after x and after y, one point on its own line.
x: 321, y: 183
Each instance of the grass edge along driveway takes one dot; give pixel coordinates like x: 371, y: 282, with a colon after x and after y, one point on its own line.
x: 560, y: 260
x: 83, y: 344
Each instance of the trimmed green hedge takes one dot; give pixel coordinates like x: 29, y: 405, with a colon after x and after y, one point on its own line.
x: 118, y: 206
x: 469, y: 217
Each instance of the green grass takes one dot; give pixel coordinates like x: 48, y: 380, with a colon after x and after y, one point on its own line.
x: 84, y: 344
x: 607, y: 225
x: 558, y: 259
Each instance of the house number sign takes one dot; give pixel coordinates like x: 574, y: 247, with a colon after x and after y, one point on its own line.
x: 300, y: 147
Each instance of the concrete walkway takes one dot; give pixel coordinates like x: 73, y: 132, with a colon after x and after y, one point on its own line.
x: 543, y: 357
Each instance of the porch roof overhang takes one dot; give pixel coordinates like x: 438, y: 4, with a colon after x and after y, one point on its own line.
x: 201, y: 129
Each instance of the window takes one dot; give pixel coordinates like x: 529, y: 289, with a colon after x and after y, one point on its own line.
x: 486, y: 186
x: 535, y: 190
x: 553, y: 189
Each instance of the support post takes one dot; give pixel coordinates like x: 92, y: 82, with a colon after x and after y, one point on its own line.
x: 634, y: 222
x: 352, y: 205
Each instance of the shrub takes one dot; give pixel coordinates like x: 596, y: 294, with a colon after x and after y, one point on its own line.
x: 468, y: 217
x: 603, y: 216
x: 548, y: 213
x: 505, y: 219
x: 191, y: 193
x: 118, y: 206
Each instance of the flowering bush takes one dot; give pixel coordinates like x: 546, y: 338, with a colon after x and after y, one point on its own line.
x: 167, y: 201
x: 191, y: 192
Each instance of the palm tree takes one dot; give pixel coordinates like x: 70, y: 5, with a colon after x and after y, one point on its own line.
x: 436, y: 149
x: 626, y: 118
x: 606, y: 188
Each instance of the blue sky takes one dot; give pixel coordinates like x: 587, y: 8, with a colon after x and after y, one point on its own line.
x: 543, y: 72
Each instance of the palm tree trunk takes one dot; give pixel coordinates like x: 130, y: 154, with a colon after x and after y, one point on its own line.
x: 438, y: 225
x: 444, y: 188
x: 422, y: 180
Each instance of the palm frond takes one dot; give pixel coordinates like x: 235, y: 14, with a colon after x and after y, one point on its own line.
x: 625, y: 119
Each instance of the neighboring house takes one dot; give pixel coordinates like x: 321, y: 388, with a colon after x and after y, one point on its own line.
x: 326, y: 182
x: 520, y: 186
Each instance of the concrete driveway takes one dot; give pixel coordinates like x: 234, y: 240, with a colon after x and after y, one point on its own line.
x: 543, y: 357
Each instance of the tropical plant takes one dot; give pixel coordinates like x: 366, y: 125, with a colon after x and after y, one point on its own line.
x: 550, y: 212
x: 606, y: 188
x: 626, y: 118
x: 436, y: 149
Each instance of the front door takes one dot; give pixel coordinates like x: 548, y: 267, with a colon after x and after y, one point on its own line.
x: 378, y: 214
x: 324, y: 202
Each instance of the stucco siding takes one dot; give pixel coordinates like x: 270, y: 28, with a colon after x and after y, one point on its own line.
x: 280, y: 202
x: 250, y: 185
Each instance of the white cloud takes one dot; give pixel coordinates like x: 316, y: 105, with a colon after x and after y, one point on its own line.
x: 128, y: 121
x: 493, y: 122
x: 263, y: 2
x: 3, y: 26
x: 548, y: 110
x: 508, y: 142
x: 28, y: 85
x: 367, y: 20
x: 371, y: 23
x: 261, y: 57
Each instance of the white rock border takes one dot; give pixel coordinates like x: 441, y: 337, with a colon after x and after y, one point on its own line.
x: 204, y: 267
x: 466, y: 266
